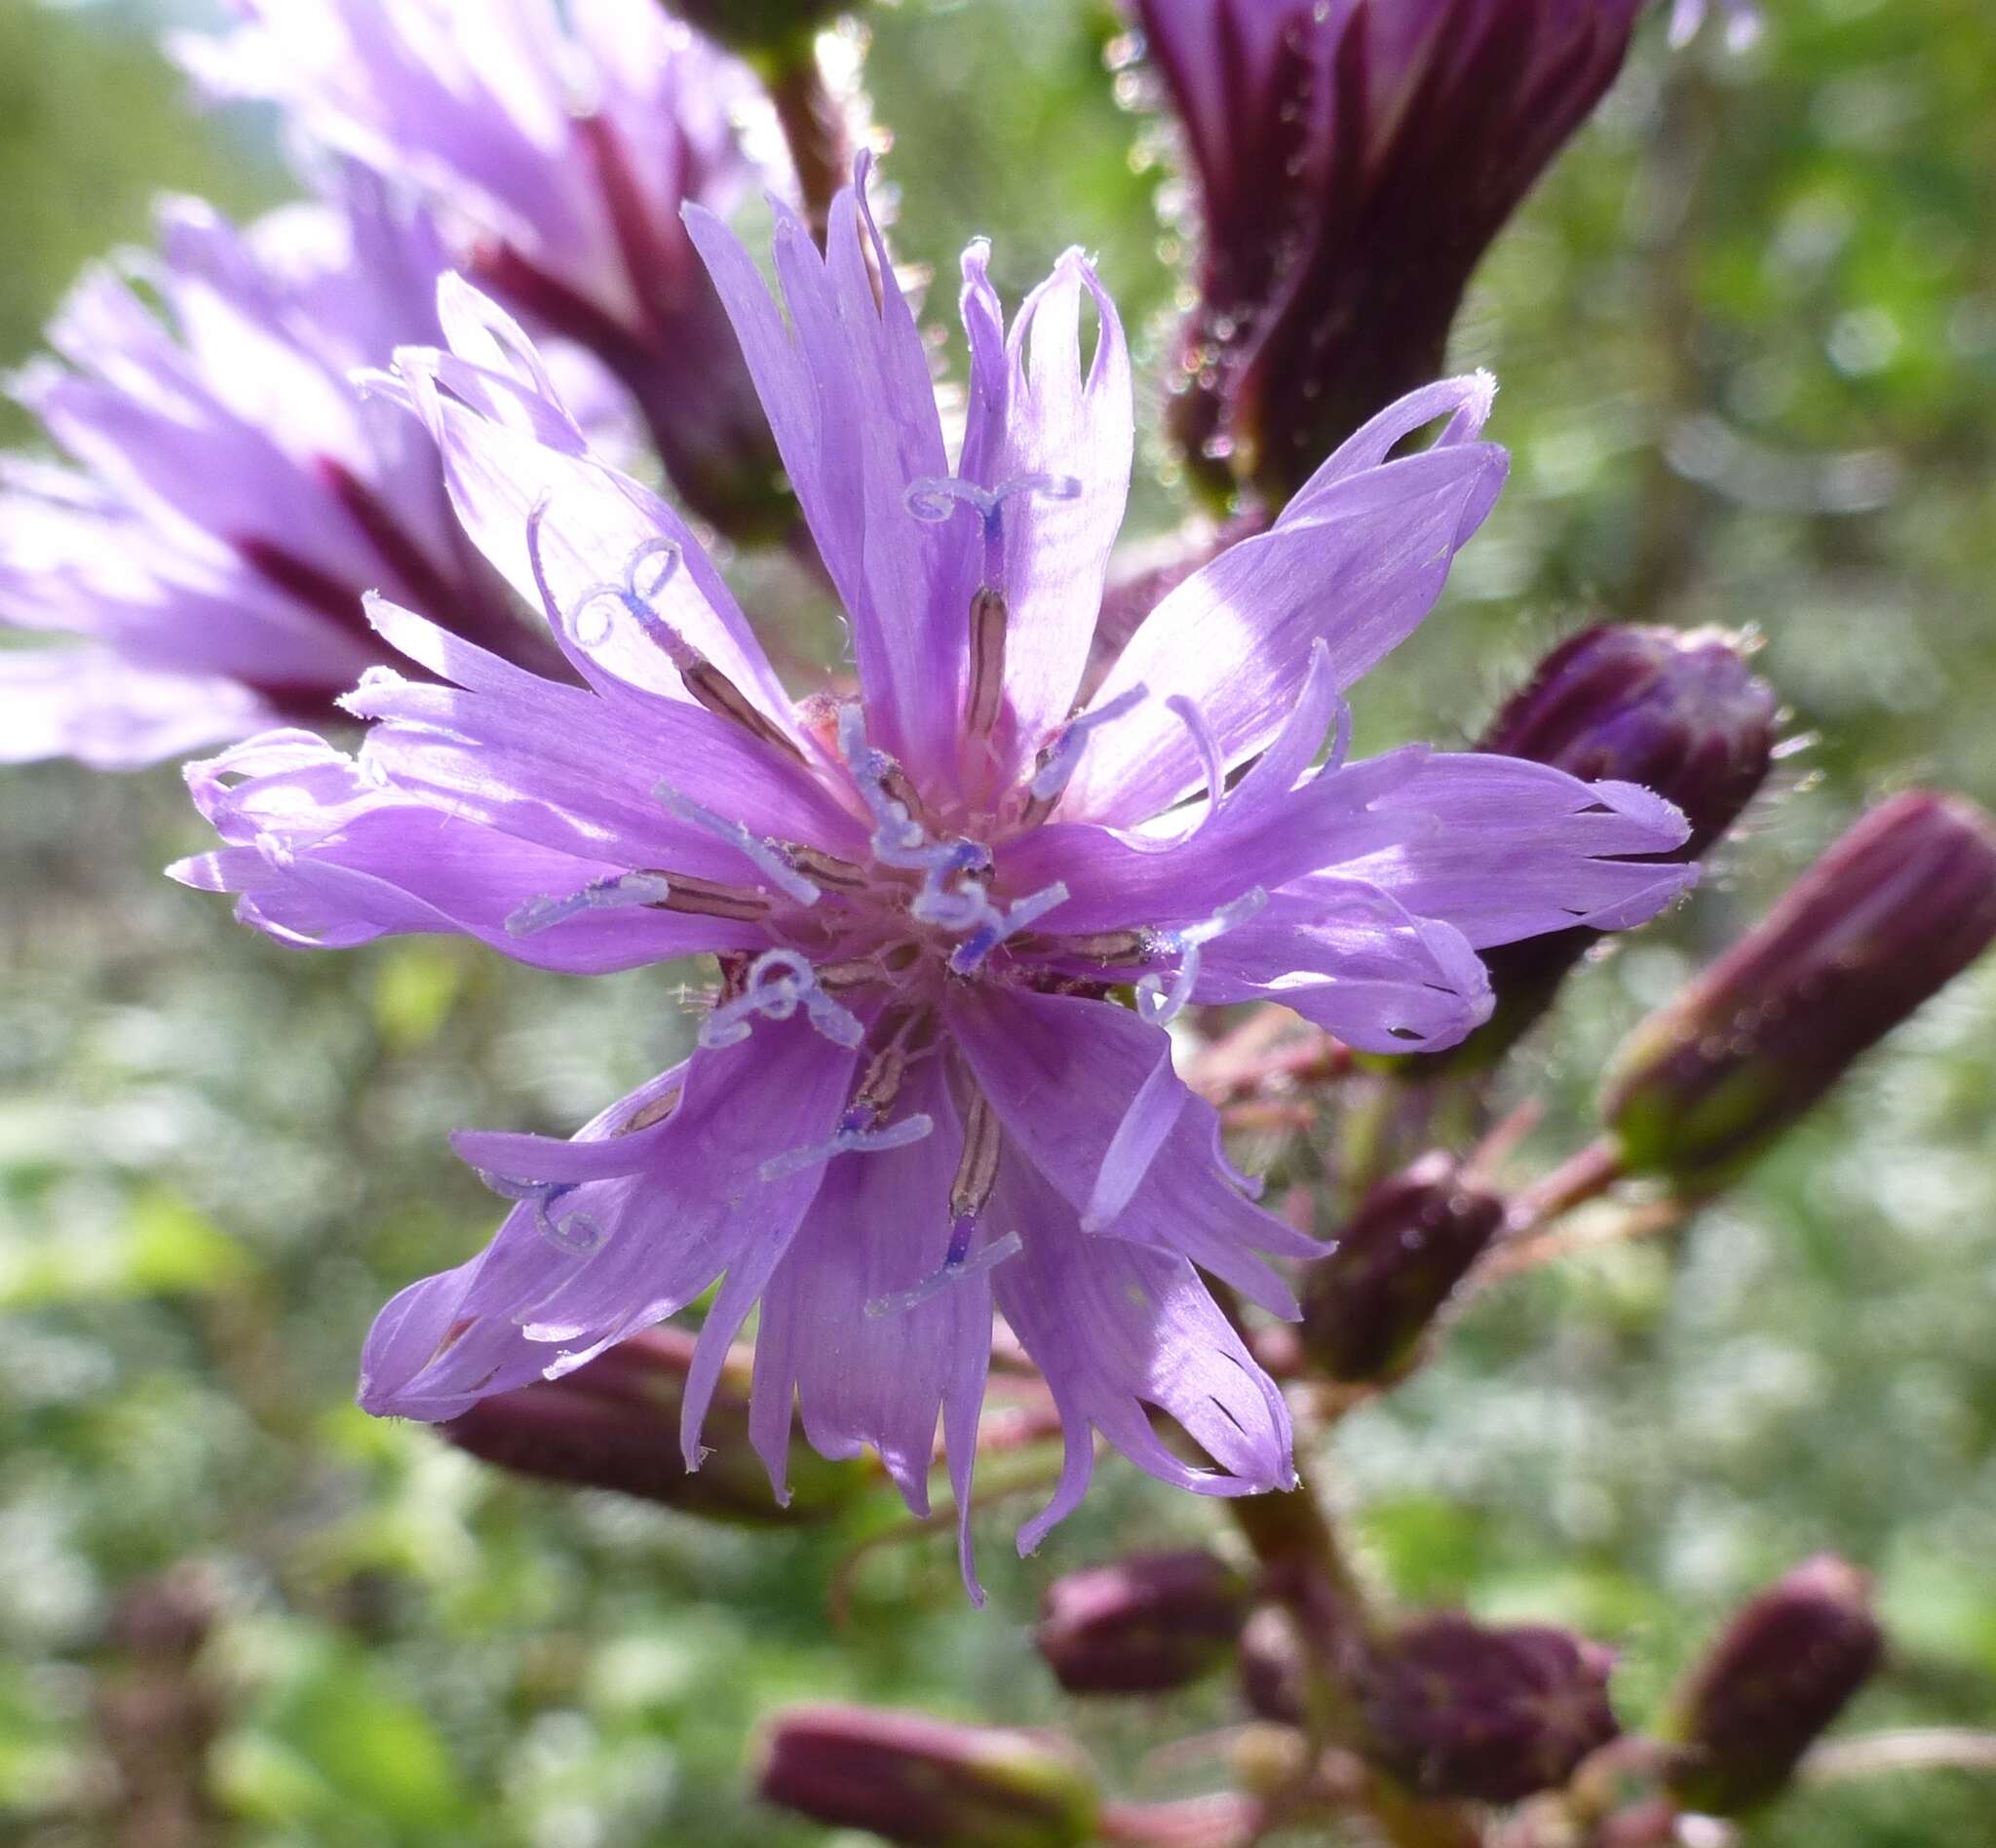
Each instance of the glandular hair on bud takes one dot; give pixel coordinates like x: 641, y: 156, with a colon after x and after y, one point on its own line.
x: 927, y: 1783
x: 1461, y: 1710
x: 1676, y: 711
x: 614, y: 1424
x: 1905, y: 902
x: 1783, y: 1670
x: 1144, y: 1625
x: 1368, y: 1302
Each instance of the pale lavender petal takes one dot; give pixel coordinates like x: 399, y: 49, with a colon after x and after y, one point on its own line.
x: 1069, y: 428
x: 1066, y: 1075
x: 847, y: 389
x: 324, y: 855
x: 1118, y: 1328
x: 581, y: 1265
x: 88, y: 704
x: 1512, y: 849
x: 1356, y: 568
x: 864, y: 1374
x: 1354, y: 960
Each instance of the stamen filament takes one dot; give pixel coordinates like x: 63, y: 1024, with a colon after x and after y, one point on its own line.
x: 853, y: 1136
x: 1161, y: 1006
x: 1058, y: 760
x: 622, y: 890
x: 969, y: 954
x: 953, y: 1271
x: 779, y: 983
x: 766, y: 858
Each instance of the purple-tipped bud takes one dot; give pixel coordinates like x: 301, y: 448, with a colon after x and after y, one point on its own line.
x: 1458, y: 1709
x: 1676, y: 711
x: 927, y: 1783
x: 1352, y: 163
x: 1368, y: 1303
x: 1145, y: 1625
x: 615, y: 1424
x: 1782, y: 1671
x: 1902, y: 904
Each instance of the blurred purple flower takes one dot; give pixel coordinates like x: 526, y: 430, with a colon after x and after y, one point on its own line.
x: 556, y: 144
x: 233, y: 494
x: 1743, y: 21
x: 1352, y: 161
x: 914, y: 1096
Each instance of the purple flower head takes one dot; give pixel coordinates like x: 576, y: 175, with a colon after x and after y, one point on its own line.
x: 917, y: 1095
x: 1352, y: 161
x: 558, y: 144
x: 231, y: 492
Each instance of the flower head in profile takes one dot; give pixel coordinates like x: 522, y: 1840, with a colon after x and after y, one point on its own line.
x: 1352, y: 161
x: 954, y: 915
x: 556, y: 144
x: 230, y: 493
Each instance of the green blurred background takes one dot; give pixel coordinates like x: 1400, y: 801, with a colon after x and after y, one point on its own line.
x: 1747, y: 335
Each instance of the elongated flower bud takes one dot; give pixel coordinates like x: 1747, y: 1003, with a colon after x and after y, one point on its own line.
x: 1676, y: 711
x: 926, y: 1784
x: 1352, y: 162
x: 615, y: 1424
x: 1145, y: 1625
x: 1368, y: 1303
x: 1458, y: 1709
x: 1903, y: 902
x: 1780, y: 1672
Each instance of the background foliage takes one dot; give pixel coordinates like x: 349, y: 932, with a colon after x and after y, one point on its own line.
x: 1747, y: 340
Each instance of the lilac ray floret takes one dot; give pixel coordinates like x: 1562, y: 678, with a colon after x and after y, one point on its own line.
x: 230, y: 495
x: 921, y: 1094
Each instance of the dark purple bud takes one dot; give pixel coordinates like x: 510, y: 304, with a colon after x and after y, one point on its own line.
x: 1273, y: 1677
x: 1782, y: 1671
x: 1674, y: 710
x: 1902, y: 904
x: 615, y: 1424
x: 1352, y: 162
x: 1457, y: 1710
x: 927, y: 1783
x: 766, y: 27
x: 166, y: 1618
x: 1145, y: 1625
x: 1368, y: 1303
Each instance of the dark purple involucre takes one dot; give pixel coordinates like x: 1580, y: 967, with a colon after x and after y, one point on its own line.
x: 1352, y: 160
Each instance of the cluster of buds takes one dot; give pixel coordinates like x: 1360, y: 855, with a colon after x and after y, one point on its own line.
x: 614, y: 1424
